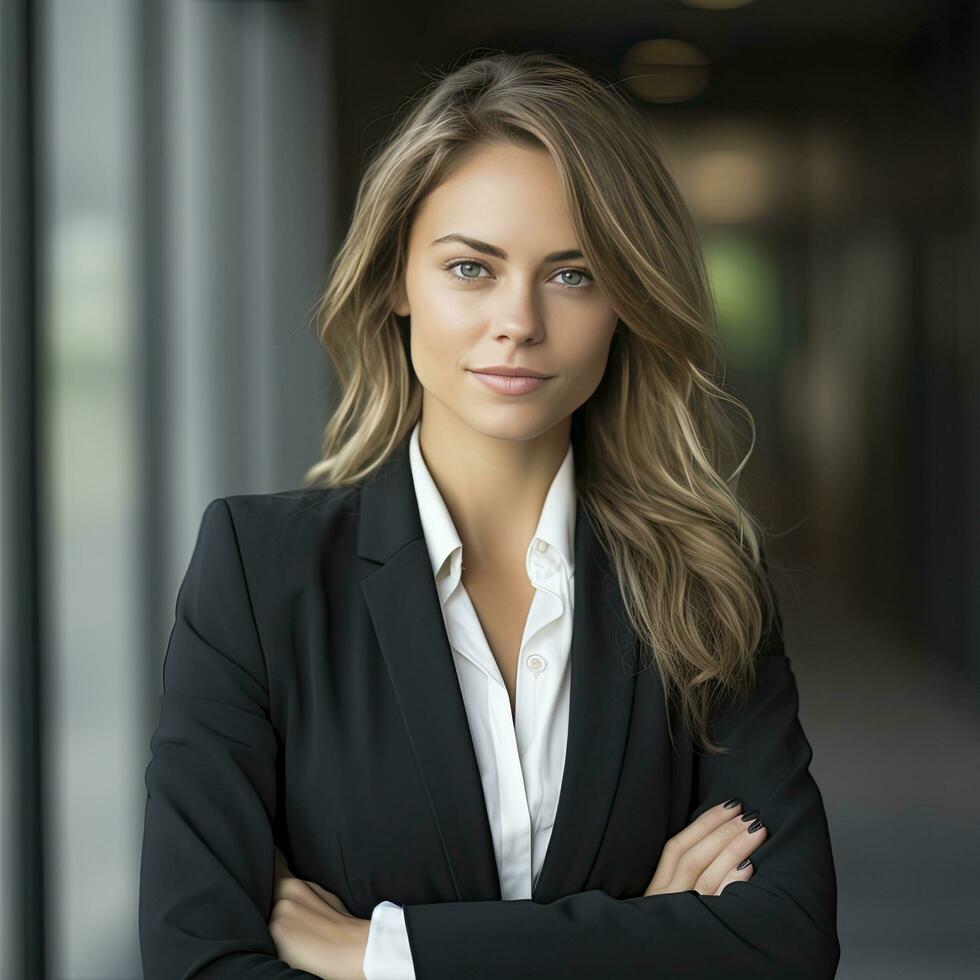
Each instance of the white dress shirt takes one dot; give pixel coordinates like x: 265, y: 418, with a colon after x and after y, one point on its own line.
x: 521, y: 756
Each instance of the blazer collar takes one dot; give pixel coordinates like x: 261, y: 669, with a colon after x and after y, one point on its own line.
x: 404, y: 607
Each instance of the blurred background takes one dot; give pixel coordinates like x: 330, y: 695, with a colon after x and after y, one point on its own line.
x: 175, y: 178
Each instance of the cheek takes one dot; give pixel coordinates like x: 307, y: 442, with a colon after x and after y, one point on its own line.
x: 439, y: 343
x: 590, y: 355
x: 446, y: 309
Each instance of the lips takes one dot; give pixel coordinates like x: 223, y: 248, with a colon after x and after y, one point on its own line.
x: 502, y: 370
x: 510, y: 384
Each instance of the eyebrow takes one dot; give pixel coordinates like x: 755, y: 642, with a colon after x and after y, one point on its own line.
x: 497, y: 252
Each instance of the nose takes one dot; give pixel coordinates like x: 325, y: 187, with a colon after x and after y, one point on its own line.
x: 517, y: 315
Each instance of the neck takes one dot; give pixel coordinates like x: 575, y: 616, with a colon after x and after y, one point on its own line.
x: 494, y: 487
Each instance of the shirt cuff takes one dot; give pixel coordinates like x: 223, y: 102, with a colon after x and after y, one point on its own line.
x: 388, y: 955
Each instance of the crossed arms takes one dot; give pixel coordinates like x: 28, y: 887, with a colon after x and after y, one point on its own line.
x: 208, y: 859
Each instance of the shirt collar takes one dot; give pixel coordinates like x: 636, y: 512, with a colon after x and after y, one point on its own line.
x: 556, y: 524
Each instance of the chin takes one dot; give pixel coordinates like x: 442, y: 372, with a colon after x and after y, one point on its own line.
x: 515, y: 429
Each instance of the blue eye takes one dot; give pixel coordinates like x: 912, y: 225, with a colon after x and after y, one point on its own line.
x: 573, y: 272
x: 461, y: 263
x: 585, y: 280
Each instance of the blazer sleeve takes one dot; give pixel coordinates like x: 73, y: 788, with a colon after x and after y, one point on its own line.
x: 207, y: 866
x: 780, y: 923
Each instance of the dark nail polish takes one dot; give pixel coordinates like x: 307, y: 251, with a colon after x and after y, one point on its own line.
x: 734, y: 801
x: 750, y: 815
x: 744, y: 864
x: 756, y: 826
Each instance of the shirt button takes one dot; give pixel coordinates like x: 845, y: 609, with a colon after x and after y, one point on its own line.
x: 536, y: 664
x: 540, y: 545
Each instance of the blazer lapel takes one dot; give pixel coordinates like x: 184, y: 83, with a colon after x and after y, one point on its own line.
x: 601, y: 699
x: 404, y: 608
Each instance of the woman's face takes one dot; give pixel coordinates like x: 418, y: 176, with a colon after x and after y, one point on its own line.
x: 513, y: 293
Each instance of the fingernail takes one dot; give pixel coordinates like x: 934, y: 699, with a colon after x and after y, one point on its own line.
x: 734, y: 801
x: 755, y: 826
x: 744, y: 864
x: 750, y: 815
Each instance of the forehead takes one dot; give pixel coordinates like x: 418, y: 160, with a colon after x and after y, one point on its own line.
x: 508, y: 195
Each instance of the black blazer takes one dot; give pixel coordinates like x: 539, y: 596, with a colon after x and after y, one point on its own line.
x: 310, y: 701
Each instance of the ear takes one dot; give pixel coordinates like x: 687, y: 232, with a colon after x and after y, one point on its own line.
x: 399, y: 300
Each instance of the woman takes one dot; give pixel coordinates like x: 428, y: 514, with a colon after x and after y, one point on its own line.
x: 501, y: 691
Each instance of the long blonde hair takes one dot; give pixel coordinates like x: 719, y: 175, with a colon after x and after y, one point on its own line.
x: 653, y: 441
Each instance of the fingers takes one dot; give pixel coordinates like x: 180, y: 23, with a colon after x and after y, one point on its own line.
x: 332, y: 900
x: 733, y: 852
x: 708, y: 851
x: 305, y: 893
x: 681, y: 844
x: 288, y: 886
x: 737, y: 875
x: 308, y: 895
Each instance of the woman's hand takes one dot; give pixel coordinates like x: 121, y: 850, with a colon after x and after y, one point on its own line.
x: 705, y: 855
x: 313, y: 930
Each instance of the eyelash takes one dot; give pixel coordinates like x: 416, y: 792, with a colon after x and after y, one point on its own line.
x: 449, y: 266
